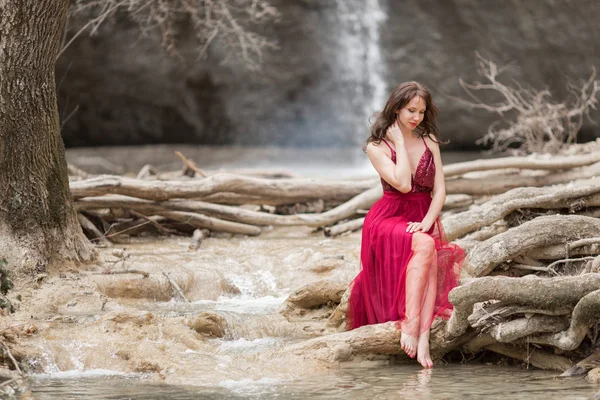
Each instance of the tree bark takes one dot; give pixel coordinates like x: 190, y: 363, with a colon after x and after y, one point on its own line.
x: 37, y: 220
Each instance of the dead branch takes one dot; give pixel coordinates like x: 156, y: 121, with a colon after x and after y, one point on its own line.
x: 230, y: 22
x: 539, y: 125
x: 189, y: 164
x: 93, y: 231
x: 176, y: 287
x: 9, y: 354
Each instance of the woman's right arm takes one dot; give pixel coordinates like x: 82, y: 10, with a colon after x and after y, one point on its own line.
x: 398, y: 175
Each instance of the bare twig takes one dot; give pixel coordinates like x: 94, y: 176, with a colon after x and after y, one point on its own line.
x: 176, y: 287
x: 16, y: 364
x: 539, y: 125
x: 190, y: 164
x: 230, y: 21
x: 124, y: 271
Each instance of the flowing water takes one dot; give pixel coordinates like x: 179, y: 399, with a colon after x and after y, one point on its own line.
x: 250, y: 360
x: 127, y: 337
x: 392, y: 382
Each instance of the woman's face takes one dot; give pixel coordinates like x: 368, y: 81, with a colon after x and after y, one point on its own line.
x: 413, y: 113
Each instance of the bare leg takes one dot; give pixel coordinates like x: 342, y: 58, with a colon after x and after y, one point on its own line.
x: 424, y: 357
x: 417, y: 273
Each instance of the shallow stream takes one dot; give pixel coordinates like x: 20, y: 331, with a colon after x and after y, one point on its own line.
x: 138, y: 346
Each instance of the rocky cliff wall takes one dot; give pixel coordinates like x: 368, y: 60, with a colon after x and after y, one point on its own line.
x: 336, y: 63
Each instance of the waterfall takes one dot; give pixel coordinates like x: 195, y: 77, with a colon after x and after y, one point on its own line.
x: 361, y: 64
x: 373, y: 18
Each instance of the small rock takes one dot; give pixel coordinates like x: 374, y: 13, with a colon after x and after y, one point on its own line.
x: 593, y: 376
x: 208, y: 323
x: 72, y: 303
x: 118, y: 253
x: 342, y: 352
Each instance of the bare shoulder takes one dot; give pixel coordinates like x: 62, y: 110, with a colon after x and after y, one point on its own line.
x: 375, y: 148
x: 377, y: 151
x: 433, y: 145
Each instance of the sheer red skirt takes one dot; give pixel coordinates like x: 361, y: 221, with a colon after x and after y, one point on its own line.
x: 378, y: 293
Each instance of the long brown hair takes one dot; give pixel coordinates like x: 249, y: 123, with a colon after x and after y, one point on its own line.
x: 399, y: 98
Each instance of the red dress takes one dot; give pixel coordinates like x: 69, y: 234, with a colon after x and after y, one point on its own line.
x: 378, y: 293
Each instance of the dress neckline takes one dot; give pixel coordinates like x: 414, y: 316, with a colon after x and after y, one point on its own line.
x: 418, y: 162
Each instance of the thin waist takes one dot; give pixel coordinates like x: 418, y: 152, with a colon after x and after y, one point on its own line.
x: 407, y: 196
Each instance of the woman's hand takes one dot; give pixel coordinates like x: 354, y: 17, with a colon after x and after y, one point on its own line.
x: 395, y: 134
x: 418, y: 227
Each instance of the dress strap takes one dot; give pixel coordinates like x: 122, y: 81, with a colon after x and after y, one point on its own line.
x: 388, y: 145
x: 425, y: 142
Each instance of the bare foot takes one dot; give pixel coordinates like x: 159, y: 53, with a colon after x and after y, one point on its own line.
x: 424, y: 357
x: 408, y: 344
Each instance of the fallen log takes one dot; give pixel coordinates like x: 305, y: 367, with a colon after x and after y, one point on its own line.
x: 362, y: 201
x: 528, y: 162
x: 501, y: 184
x: 290, y: 190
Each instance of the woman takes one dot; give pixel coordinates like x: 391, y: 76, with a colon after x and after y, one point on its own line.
x: 408, y: 268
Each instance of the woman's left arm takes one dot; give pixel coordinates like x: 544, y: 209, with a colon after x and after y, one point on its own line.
x: 439, y: 188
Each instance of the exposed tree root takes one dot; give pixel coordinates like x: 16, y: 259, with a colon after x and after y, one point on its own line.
x: 539, y: 232
x: 586, y: 312
x: 536, y: 357
x: 545, y: 293
x: 527, y: 197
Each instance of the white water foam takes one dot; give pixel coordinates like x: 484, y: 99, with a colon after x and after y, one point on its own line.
x: 250, y: 386
x: 91, y: 373
x: 243, y: 304
x: 243, y: 344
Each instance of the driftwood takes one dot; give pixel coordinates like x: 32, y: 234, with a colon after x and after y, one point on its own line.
x: 501, y: 184
x: 349, y: 226
x: 237, y: 214
x: 270, y: 191
x: 529, y: 162
x: 94, y: 232
x: 197, y: 237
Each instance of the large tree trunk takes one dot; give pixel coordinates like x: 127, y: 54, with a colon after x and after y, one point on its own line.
x: 37, y: 220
